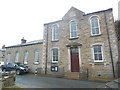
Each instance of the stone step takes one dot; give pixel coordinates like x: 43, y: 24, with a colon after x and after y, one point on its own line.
x: 72, y: 75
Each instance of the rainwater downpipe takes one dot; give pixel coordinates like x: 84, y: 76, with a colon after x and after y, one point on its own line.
x: 46, y: 50
x: 111, y: 55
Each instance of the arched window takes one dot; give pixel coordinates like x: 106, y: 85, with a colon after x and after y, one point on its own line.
x: 73, y: 29
x: 8, y: 57
x: 17, y: 56
x: 55, y: 32
x: 95, y: 27
x: 37, y: 57
x: 26, y: 57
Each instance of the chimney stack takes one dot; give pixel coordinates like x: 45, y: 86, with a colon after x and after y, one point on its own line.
x: 23, y: 40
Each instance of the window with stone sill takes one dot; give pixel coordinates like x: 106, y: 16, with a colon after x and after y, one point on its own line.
x: 26, y: 57
x: 73, y: 29
x: 97, y: 53
x: 17, y: 56
x: 8, y: 57
x: 37, y: 57
x: 55, y: 55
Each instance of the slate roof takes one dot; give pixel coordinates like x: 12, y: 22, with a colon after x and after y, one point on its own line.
x: 27, y: 43
x: 80, y: 11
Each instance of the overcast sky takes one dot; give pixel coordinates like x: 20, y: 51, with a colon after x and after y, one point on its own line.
x: 25, y: 18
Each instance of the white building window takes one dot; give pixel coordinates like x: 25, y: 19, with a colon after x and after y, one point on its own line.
x: 26, y: 57
x: 55, y: 32
x: 17, y: 56
x: 8, y: 57
x: 97, y: 53
x: 55, y: 55
x: 73, y: 29
x: 95, y: 27
x: 37, y: 57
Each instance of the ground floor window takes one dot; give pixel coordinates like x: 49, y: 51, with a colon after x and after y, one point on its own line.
x: 97, y: 53
x: 37, y: 57
x: 26, y: 57
x: 55, y: 55
x: 17, y: 56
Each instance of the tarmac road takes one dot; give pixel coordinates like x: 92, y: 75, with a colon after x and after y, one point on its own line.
x: 33, y: 81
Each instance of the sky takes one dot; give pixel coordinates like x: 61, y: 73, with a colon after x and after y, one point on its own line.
x: 26, y: 18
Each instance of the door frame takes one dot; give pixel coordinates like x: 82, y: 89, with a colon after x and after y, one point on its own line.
x: 69, y: 58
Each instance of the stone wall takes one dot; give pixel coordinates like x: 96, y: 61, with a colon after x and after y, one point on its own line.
x: 85, y: 39
x: 31, y: 57
x: 8, y: 79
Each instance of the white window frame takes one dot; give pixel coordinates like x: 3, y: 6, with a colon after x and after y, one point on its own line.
x: 37, y: 57
x: 96, y: 27
x: 73, y: 30
x: 26, y: 57
x: 52, y: 55
x: 17, y: 56
x: 8, y: 57
x: 53, y: 33
x: 101, y: 53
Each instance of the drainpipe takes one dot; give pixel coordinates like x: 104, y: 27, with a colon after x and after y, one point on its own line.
x: 46, y: 50
x: 111, y: 55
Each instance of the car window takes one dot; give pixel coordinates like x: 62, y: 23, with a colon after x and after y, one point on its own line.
x: 11, y: 64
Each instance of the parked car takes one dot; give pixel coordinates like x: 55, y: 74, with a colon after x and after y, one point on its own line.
x: 1, y: 63
x: 13, y: 66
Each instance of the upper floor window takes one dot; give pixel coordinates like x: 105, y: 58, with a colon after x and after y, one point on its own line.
x: 55, y: 32
x: 17, y: 56
x: 37, y: 57
x: 97, y: 53
x: 55, y: 55
x: 73, y: 29
x: 26, y: 57
x: 95, y: 27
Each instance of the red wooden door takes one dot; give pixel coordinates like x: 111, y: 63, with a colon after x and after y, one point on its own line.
x: 74, y: 60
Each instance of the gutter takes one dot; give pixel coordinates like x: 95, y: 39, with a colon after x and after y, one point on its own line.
x: 111, y: 55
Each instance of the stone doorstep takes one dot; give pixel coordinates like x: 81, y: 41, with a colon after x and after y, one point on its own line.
x: 72, y: 75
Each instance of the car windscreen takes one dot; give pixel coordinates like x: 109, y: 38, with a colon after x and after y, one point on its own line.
x: 19, y: 64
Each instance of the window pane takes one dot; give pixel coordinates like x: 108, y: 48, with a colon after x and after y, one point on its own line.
x: 99, y: 48
x: 97, y: 31
x: 55, y: 55
x: 97, y: 53
x: 95, y: 49
x: 16, y: 58
x: 55, y: 32
x: 73, y: 29
x: 100, y: 56
x: 36, y: 56
x: 95, y: 25
x: 96, y: 56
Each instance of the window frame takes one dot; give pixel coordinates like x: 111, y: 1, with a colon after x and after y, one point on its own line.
x: 38, y: 57
x: 52, y: 55
x: 70, y: 25
x: 98, y: 21
x: 26, y: 57
x: 16, y: 56
x: 54, y: 34
x: 8, y: 57
x: 101, y: 53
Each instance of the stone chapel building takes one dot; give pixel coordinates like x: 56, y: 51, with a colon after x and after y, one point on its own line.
x: 78, y: 46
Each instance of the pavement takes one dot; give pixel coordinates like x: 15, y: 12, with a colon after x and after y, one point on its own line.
x: 34, y: 81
